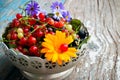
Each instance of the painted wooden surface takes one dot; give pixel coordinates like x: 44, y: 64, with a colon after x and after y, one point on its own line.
x: 102, y: 58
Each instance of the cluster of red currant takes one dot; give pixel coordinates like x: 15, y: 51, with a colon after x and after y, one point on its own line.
x: 25, y: 33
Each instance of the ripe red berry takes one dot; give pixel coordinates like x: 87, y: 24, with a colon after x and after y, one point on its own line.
x: 63, y: 19
x: 13, y: 36
x: 31, y: 41
x: 32, y: 21
x: 33, y: 50
x: 35, y: 16
x: 25, y: 29
x: 56, y: 24
x: 61, y: 24
x: 20, y: 48
x: 50, y: 21
x: 23, y: 41
x: 63, y: 47
x: 39, y: 33
x: 16, y: 22
x: 25, y: 51
x: 41, y: 16
x: 18, y: 16
x: 36, y: 26
x: 37, y: 54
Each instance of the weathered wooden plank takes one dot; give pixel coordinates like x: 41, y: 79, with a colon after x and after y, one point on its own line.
x: 101, y: 16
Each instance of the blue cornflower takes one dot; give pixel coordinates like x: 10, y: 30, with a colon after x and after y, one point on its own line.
x: 32, y: 8
x: 57, y: 5
x: 66, y: 15
x: 57, y: 14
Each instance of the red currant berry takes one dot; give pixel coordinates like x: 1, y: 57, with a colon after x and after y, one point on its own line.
x: 25, y: 51
x: 61, y: 24
x: 33, y: 49
x: 39, y: 33
x: 18, y: 16
x: 65, y: 31
x: 50, y: 21
x: 25, y: 29
x: 35, y: 16
x: 43, y: 20
x: 23, y: 41
x: 32, y: 21
x: 14, y: 36
x: 63, y: 47
x: 31, y: 41
x: 56, y: 24
x: 36, y: 26
x: 41, y: 16
x: 63, y: 19
x: 37, y: 54
x: 20, y: 48
x: 16, y: 22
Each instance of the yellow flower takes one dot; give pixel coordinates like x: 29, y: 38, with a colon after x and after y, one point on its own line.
x: 56, y: 47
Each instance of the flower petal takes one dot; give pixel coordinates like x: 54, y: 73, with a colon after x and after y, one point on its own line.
x: 73, y: 50
x: 69, y: 40
x: 55, y: 57
x: 44, y: 50
x: 48, y: 41
x: 71, y: 54
x: 49, y: 56
x: 59, y: 61
x: 47, y: 45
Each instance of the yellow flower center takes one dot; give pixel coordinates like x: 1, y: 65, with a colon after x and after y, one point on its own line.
x: 66, y: 17
x: 57, y: 13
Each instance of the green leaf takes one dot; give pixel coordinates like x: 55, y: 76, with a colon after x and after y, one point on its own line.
x: 12, y: 45
x: 76, y: 24
x: 50, y: 14
x: 84, y: 41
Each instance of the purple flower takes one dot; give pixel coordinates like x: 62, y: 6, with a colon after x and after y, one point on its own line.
x: 66, y: 15
x: 57, y: 14
x: 32, y: 8
x: 57, y: 5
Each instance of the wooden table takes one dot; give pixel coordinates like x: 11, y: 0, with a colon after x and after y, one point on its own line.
x: 101, y: 17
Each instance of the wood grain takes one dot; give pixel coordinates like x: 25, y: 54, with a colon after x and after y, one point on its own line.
x: 100, y: 15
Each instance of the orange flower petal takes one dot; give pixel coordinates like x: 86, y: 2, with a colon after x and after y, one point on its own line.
x: 67, y: 58
x: 44, y: 50
x: 55, y: 57
x: 48, y: 41
x: 73, y: 50
x: 71, y: 54
x: 59, y: 62
x: 50, y: 37
x: 47, y: 45
x: 69, y: 40
x: 49, y: 56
